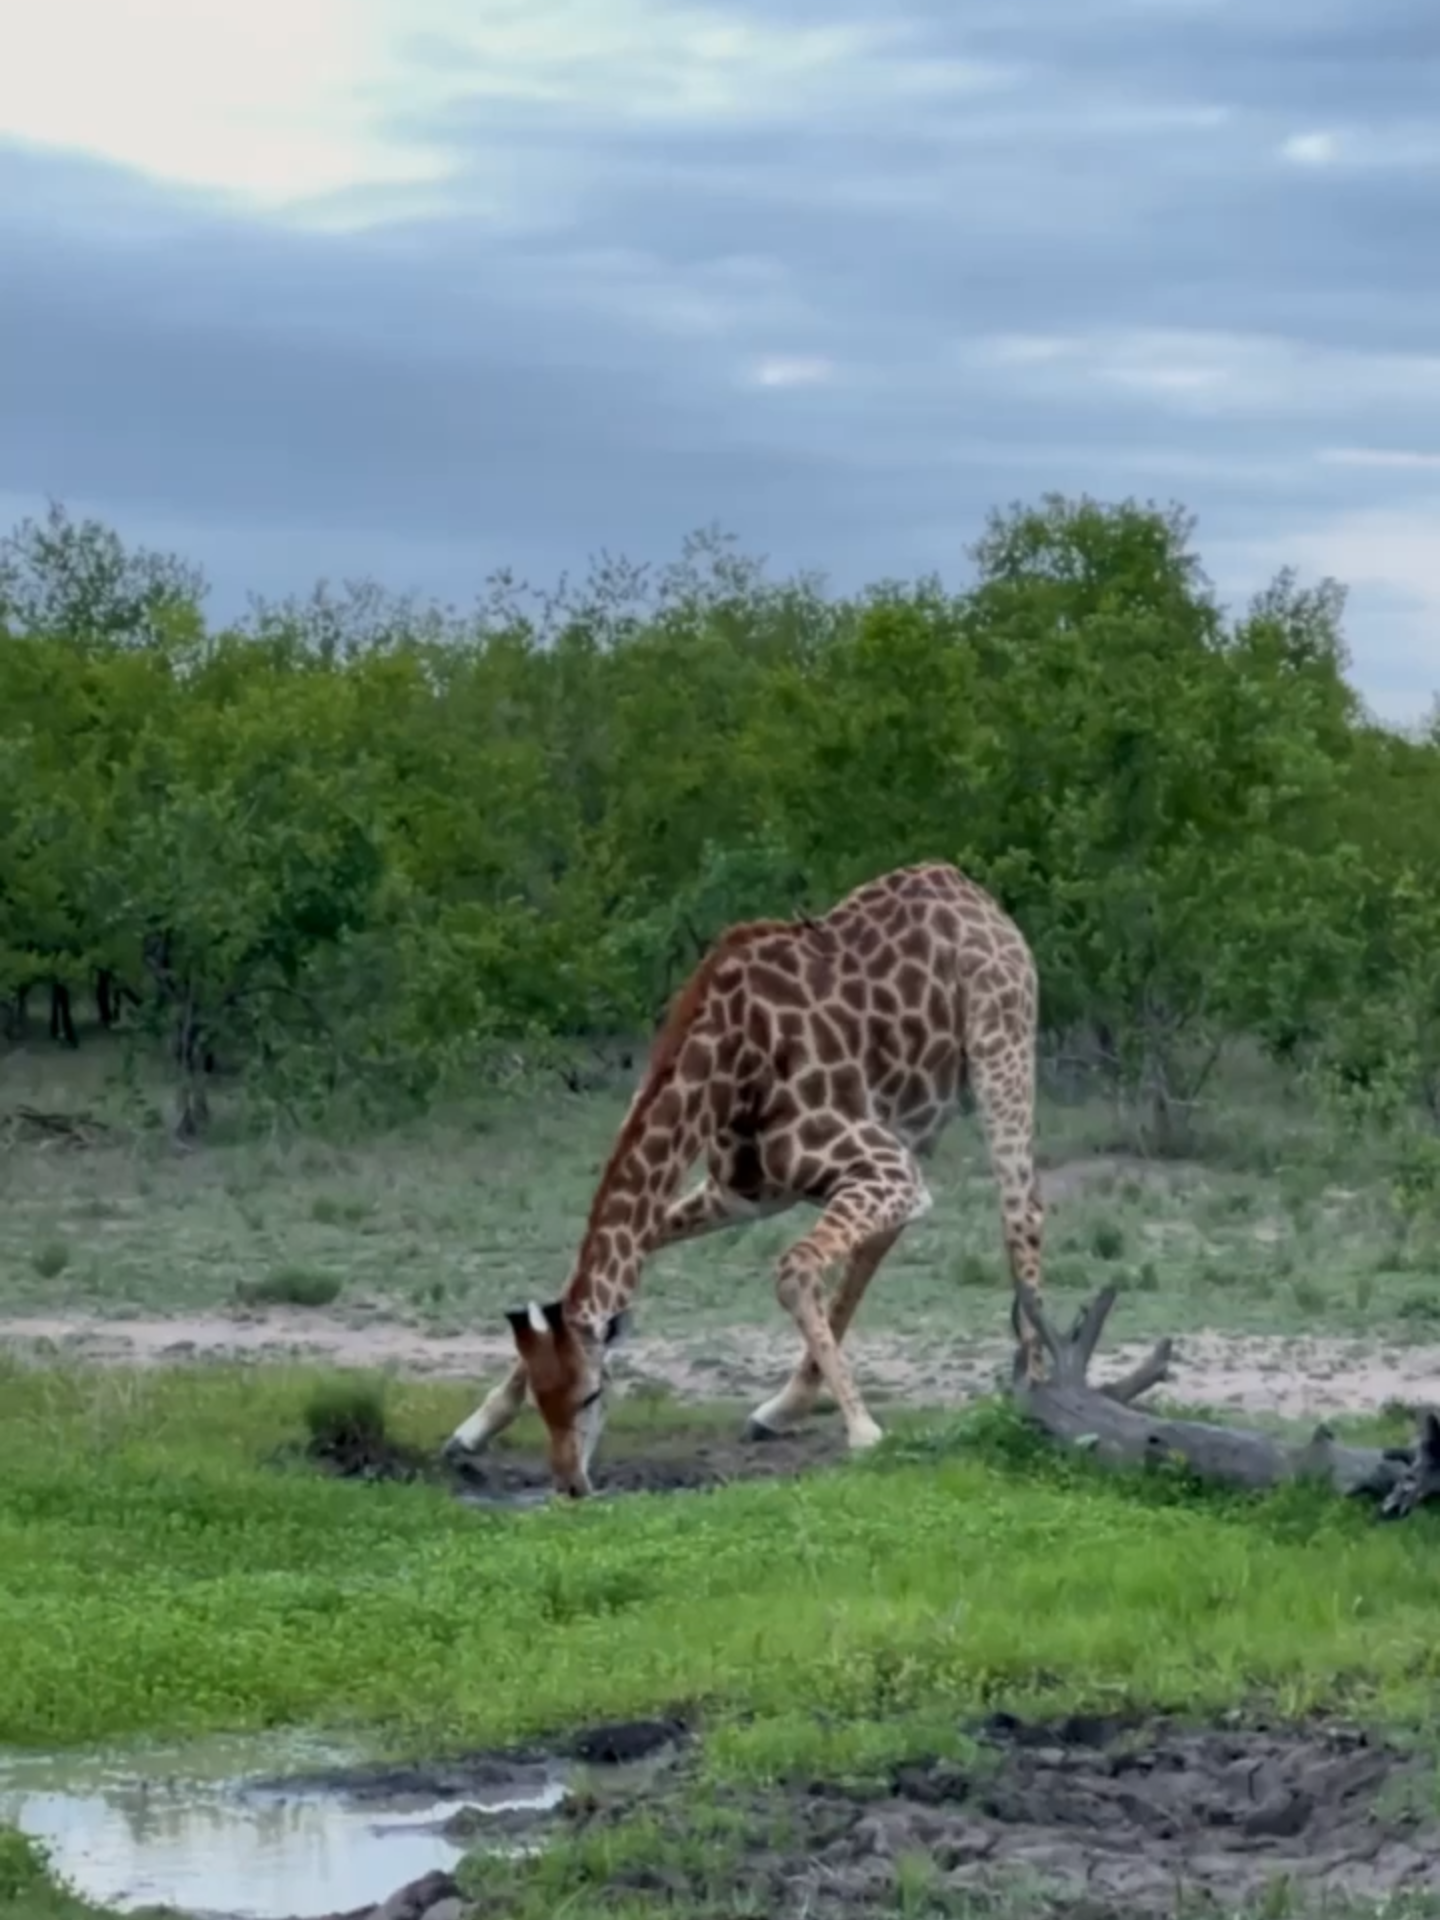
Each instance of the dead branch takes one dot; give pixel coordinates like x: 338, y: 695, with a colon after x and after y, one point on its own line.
x: 1102, y: 1420
x: 30, y: 1124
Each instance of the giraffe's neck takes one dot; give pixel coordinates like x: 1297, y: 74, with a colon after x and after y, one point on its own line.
x: 655, y: 1150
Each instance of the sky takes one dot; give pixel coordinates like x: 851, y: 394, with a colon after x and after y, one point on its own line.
x: 414, y: 290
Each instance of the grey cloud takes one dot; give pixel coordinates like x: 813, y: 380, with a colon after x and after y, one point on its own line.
x: 545, y: 354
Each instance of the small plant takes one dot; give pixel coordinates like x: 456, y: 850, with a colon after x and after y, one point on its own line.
x: 1308, y: 1296
x: 50, y: 1259
x: 916, y: 1878
x: 24, y: 1865
x: 290, y: 1287
x: 347, y: 1418
x: 329, y: 1210
x: 974, y: 1270
x: 1107, y: 1241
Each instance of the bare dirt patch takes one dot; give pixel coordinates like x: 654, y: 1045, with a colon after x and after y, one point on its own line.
x: 1293, y: 1378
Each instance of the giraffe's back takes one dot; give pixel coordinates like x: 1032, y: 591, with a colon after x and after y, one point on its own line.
x: 863, y: 1014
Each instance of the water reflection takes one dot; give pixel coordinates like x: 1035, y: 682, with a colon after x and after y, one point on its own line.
x: 127, y: 1837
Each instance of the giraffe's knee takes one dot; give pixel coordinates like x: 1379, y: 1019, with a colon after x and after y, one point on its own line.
x: 795, y: 1280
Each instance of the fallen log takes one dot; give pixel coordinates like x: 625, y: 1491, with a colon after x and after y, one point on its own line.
x: 1103, y: 1420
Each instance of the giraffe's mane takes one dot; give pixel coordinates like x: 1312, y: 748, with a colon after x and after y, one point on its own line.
x: 680, y: 1017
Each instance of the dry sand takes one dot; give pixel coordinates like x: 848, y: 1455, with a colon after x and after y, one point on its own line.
x: 1291, y: 1377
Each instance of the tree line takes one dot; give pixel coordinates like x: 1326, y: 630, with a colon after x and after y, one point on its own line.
x: 357, y: 840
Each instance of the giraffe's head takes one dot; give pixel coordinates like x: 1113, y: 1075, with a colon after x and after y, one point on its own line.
x: 566, y: 1361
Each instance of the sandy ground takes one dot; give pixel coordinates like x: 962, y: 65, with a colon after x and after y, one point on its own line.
x: 1292, y: 1378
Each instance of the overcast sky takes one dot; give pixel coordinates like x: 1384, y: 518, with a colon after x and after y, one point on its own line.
x: 419, y: 288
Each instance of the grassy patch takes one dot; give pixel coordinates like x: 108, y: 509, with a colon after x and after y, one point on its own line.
x: 156, y: 1576
x: 290, y: 1286
x: 1278, y: 1225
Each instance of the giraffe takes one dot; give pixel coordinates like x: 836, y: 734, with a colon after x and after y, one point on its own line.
x: 813, y: 1060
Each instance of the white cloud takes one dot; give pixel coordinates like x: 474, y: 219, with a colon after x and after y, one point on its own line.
x: 662, y: 61
x: 279, y: 102
x: 790, y: 370
x: 1389, y: 560
x: 1199, y: 372
x: 1400, y: 459
x: 1396, y: 144
x: 1394, y: 548
x: 1310, y: 149
x: 267, y: 99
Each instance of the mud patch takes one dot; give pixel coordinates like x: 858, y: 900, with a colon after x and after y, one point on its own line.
x: 661, y: 1463
x: 1081, y: 1816
x: 519, y: 1774
x: 656, y: 1462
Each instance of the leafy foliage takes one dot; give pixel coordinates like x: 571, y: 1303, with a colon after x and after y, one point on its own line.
x: 350, y: 843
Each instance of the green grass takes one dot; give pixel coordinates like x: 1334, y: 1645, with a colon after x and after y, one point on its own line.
x: 156, y: 1576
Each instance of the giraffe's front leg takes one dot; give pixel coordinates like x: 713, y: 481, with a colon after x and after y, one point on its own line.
x: 497, y: 1411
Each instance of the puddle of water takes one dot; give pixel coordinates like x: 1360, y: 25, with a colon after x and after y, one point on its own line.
x: 182, y: 1828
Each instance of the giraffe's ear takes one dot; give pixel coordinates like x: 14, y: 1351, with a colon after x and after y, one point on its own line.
x: 617, y: 1328
x: 519, y: 1319
x: 527, y: 1324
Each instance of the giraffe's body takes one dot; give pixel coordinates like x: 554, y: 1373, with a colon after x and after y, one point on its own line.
x: 813, y: 1061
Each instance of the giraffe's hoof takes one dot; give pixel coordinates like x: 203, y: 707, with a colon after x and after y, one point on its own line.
x: 457, y: 1455
x: 864, y: 1435
x: 757, y: 1430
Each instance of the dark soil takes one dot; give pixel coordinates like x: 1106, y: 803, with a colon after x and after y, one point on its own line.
x: 674, y: 1461
x: 517, y: 1771
x: 1122, y: 1818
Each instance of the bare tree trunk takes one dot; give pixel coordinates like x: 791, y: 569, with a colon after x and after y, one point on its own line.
x: 1102, y: 1420
x: 193, y: 1102
x: 62, y: 1022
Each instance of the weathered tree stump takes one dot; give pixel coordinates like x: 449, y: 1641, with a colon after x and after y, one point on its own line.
x: 1104, y: 1421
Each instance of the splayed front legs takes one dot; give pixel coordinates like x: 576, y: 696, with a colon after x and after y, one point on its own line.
x: 706, y: 1209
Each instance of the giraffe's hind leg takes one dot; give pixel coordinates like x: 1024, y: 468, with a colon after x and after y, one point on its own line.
x: 876, y: 1191
x: 1002, y: 1070
x: 798, y: 1396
